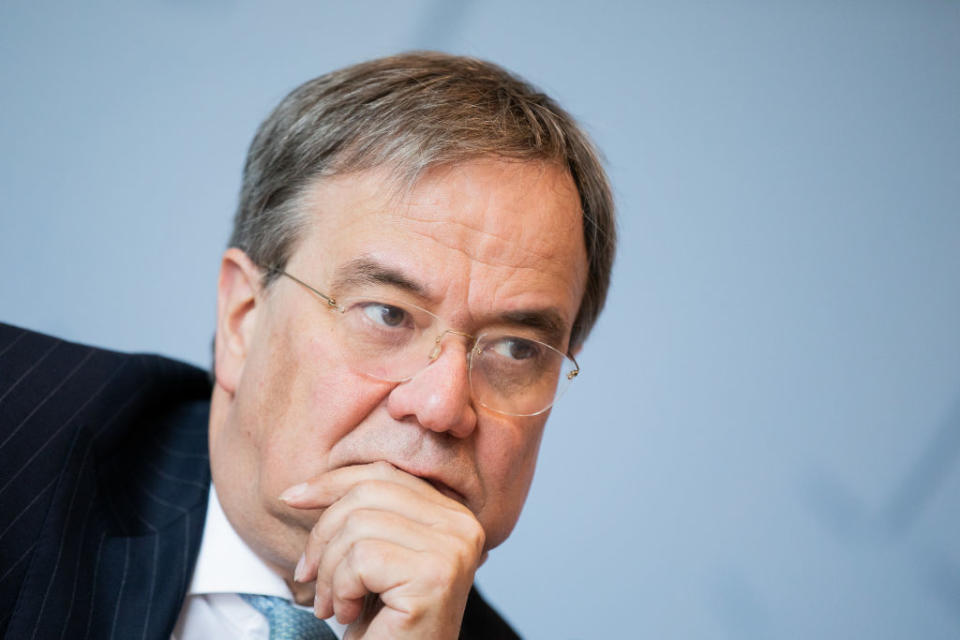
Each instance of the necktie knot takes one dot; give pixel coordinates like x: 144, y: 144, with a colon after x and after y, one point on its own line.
x: 288, y: 622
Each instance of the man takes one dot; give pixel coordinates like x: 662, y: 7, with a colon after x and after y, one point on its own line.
x: 422, y: 244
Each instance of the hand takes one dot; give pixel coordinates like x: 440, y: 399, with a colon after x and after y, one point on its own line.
x: 392, y: 541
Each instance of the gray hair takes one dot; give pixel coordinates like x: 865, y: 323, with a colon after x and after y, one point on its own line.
x: 413, y: 112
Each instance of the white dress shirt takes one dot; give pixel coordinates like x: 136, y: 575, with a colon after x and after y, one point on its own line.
x: 225, y: 567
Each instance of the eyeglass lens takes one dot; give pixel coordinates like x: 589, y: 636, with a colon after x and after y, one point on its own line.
x: 509, y: 373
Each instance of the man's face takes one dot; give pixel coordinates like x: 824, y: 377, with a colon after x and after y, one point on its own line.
x: 477, y: 245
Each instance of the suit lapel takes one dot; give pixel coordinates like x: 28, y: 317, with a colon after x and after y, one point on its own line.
x: 118, y: 545
x: 143, y: 579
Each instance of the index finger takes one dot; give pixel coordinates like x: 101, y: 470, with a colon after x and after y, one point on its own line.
x: 326, y: 488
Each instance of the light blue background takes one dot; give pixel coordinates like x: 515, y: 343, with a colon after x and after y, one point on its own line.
x: 765, y: 439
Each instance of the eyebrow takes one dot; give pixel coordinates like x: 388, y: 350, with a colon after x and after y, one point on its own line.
x: 367, y: 271
x: 548, y: 322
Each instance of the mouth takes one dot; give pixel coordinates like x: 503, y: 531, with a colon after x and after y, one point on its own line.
x: 445, y: 489
x: 431, y: 477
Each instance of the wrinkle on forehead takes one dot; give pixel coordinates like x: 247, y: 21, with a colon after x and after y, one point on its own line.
x: 491, y: 228
x: 483, y: 234
x: 487, y: 247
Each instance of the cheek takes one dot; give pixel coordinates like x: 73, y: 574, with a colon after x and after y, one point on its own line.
x: 313, y: 401
x: 507, y: 461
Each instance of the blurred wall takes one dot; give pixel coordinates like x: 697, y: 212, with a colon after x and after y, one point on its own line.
x: 764, y: 442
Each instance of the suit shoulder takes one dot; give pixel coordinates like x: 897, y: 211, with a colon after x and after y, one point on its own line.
x: 65, y: 409
x: 55, y: 393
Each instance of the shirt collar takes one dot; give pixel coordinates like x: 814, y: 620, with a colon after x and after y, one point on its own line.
x: 226, y: 564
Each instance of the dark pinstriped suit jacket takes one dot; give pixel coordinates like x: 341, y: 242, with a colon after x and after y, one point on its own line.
x: 104, y: 476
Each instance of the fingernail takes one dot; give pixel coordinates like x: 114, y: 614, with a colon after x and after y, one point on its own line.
x: 294, y: 492
x: 298, y: 573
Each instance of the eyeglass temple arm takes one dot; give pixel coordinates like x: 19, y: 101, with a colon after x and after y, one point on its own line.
x: 330, y: 301
x: 436, y: 349
x: 576, y: 371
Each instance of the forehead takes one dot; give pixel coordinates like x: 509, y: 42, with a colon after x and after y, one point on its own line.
x: 488, y: 235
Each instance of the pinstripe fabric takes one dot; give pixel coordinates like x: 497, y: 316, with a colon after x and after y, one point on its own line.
x: 103, y: 487
x: 104, y: 476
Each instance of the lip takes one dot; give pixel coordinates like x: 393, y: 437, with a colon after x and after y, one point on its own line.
x: 439, y: 482
x: 445, y: 489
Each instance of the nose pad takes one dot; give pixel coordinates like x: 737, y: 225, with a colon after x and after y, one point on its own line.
x: 439, y: 396
x: 438, y: 343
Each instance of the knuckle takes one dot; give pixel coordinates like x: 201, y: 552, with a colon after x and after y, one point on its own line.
x: 442, y: 571
x: 478, y: 539
x: 359, y: 520
x: 317, y: 534
x: 367, y: 553
x: 364, y: 492
x: 357, y: 492
x: 471, y: 531
x: 382, y: 468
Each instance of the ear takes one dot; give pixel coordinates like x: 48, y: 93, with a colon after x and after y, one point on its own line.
x: 238, y: 296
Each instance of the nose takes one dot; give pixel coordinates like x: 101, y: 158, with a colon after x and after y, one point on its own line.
x: 438, y: 397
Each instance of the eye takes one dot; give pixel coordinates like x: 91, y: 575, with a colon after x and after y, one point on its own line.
x: 516, y: 348
x: 385, y: 314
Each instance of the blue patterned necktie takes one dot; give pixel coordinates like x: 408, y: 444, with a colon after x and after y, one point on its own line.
x: 286, y: 621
